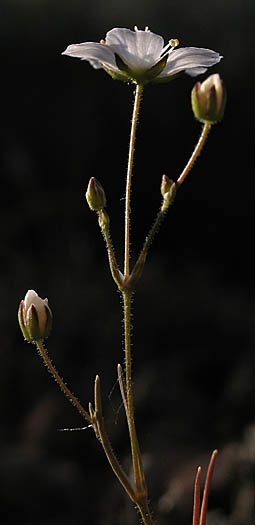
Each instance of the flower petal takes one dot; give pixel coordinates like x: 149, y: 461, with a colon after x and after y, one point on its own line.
x: 192, y: 60
x: 97, y: 54
x: 31, y: 297
x: 194, y: 71
x: 138, y: 49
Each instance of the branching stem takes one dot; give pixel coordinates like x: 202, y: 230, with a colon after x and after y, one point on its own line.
x: 116, y: 467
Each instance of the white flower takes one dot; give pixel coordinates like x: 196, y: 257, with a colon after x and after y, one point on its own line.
x: 35, y: 317
x: 140, y: 56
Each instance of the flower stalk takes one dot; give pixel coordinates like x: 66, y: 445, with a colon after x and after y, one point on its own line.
x: 137, y: 271
x: 138, y: 94
x: 127, y: 394
x: 127, y: 295
x: 104, y: 223
x: 48, y: 363
x: 197, y: 150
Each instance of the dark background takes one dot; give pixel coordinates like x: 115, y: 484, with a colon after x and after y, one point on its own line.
x: 61, y: 123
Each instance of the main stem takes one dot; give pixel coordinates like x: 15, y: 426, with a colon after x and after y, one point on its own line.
x: 140, y: 485
x: 138, y: 474
x: 138, y: 94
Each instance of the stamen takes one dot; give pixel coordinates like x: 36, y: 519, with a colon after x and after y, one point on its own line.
x: 145, y: 29
x: 172, y: 43
x: 102, y: 42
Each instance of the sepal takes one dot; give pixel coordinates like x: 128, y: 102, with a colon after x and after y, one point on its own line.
x: 136, y: 76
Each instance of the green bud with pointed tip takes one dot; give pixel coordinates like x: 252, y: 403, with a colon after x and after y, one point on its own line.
x: 35, y: 317
x: 208, y: 99
x: 166, y: 184
x: 168, y: 191
x: 95, y: 195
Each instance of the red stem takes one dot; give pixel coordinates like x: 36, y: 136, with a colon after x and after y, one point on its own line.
x: 207, y: 486
x: 196, y: 504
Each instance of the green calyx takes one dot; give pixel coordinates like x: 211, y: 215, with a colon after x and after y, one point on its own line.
x: 95, y: 195
x: 138, y: 77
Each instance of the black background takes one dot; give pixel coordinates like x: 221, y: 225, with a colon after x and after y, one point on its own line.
x: 193, y: 337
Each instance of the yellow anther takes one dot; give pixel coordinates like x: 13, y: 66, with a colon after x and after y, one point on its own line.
x: 102, y: 42
x: 174, y: 42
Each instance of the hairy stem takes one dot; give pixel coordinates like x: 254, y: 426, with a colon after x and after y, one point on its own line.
x: 62, y: 385
x: 104, y: 225
x: 145, y: 512
x: 136, y: 456
x: 138, y: 94
x: 116, y: 467
x: 198, y: 148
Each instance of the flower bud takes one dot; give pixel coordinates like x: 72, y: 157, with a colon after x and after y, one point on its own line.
x: 95, y: 195
x: 208, y: 99
x: 35, y: 317
x: 168, y: 191
x: 166, y: 184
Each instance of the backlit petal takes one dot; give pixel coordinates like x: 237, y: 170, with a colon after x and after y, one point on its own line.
x: 192, y: 60
x: 138, y: 49
x: 97, y: 54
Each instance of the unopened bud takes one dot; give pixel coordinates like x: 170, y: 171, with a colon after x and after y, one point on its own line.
x: 168, y: 191
x: 166, y: 184
x: 95, y: 195
x: 35, y: 317
x: 209, y: 99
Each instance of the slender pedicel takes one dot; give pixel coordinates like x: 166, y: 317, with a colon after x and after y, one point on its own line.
x: 198, y: 148
x: 138, y: 94
x: 61, y: 383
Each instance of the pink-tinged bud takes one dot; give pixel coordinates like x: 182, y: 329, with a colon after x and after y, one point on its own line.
x: 35, y: 317
x: 209, y: 99
x: 95, y: 195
